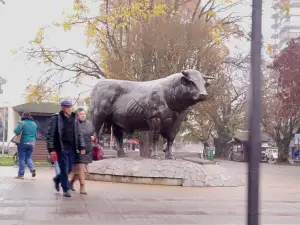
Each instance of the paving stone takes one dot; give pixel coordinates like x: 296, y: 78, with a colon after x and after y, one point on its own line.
x: 156, y: 173
x: 214, y: 183
x: 34, y: 202
x: 107, y: 171
x: 168, y: 173
x: 179, y: 172
x: 200, y: 178
x: 187, y: 183
x: 118, y: 172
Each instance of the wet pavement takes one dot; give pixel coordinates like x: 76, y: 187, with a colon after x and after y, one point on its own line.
x: 33, y: 201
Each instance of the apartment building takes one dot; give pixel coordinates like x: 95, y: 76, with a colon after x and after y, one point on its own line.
x: 285, y: 27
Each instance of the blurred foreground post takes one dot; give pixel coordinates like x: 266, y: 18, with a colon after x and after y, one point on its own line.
x: 3, y: 132
x: 254, y: 147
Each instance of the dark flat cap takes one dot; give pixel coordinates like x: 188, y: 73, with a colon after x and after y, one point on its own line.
x: 66, y: 103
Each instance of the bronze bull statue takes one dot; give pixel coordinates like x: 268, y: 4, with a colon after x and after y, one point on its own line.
x: 157, y: 106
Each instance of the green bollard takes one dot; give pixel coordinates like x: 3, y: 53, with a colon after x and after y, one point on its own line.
x: 211, y: 155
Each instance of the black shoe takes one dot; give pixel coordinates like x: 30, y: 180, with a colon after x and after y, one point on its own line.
x: 33, y: 172
x: 67, y: 194
x: 56, y: 185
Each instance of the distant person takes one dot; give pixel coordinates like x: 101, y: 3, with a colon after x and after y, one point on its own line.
x: 297, y: 154
x: 64, y: 138
x: 27, y: 128
x: 81, y: 161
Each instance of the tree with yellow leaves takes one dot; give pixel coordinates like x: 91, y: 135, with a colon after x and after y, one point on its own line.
x: 285, y: 5
x: 111, y: 30
x: 143, y: 40
x: 40, y: 93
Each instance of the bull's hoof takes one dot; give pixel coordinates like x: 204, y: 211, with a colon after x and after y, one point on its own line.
x: 171, y: 157
x: 122, y: 155
x: 155, y: 157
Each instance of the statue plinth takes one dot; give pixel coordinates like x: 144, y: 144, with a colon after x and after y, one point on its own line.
x: 161, y: 172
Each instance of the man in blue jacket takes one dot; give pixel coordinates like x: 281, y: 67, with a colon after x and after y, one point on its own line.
x: 65, y: 138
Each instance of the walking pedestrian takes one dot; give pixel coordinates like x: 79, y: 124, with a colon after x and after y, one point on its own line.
x: 27, y: 129
x: 81, y: 161
x: 64, y: 138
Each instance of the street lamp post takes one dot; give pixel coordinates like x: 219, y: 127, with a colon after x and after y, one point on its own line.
x: 255, y: 115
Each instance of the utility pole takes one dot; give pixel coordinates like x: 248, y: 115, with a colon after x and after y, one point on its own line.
x: 254, y: 148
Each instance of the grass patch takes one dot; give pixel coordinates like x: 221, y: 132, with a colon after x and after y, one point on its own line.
x: 41, y: 163
x: 7, y: 160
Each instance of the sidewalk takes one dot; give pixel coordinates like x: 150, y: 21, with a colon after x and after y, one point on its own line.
x: 33, y: 201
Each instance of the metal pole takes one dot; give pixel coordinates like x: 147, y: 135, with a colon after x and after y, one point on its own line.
x: 254, y: 148
x: 4, y: 129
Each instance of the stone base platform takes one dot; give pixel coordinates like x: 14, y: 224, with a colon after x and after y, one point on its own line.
x: 161, y: 172
x: 200, y: 161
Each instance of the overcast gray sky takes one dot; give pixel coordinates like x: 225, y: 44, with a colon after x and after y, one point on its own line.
x: 20, y: 21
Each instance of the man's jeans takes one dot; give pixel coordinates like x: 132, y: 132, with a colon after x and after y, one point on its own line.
x: 24, y: 154
x: 65, y: 160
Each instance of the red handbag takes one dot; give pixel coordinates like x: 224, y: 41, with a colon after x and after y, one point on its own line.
x: 97, y: 152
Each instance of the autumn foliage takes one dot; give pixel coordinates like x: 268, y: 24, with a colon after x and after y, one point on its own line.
x: 287, y: 64
x: 145, y: 40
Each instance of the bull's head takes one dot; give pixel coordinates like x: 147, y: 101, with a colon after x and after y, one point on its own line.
x: 193, y: 85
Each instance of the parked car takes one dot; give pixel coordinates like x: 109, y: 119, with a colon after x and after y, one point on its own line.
x: 269, y: 154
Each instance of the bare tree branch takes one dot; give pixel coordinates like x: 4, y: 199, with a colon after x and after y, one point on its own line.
x: 85, y: 65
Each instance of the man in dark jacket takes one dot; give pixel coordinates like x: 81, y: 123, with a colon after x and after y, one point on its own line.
x: 64, y: 138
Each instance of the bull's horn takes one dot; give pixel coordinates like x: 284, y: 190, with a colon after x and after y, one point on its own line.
x: 207, y: 77
x: 185, y: 72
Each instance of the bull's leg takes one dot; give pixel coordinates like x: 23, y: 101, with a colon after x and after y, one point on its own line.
x: 118, y: 133
x: 155, y: 131
x: 168, y: 150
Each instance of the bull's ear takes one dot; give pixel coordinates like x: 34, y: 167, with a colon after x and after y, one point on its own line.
x: 207, y: 77
x: 207, y: 84
x: 185, y: 81
x: 185, y: 72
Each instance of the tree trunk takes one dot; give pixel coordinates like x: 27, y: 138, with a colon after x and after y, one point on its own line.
x: 144, y: 140
x: 221, y: 145
x: 218, y: 147
x: 283, y: 149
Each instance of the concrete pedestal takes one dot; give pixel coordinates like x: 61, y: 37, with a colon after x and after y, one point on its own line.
x: 161, y: 172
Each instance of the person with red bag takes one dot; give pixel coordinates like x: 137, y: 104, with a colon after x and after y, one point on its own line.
x: 97, y: 151
x: 82, y: 160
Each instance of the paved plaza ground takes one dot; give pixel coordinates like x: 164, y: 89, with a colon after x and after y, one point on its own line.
x: 33, y: 201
